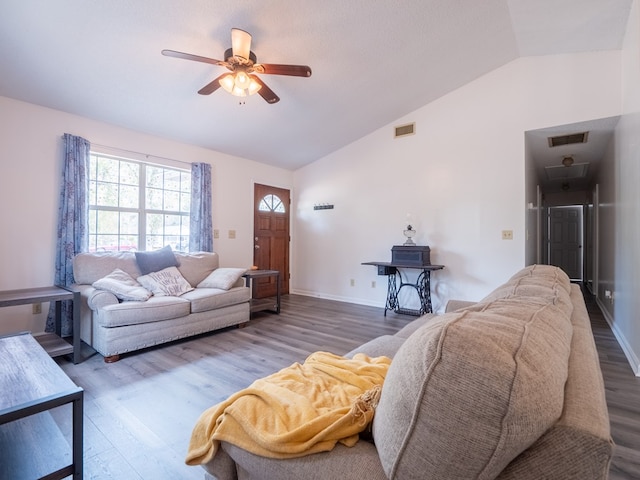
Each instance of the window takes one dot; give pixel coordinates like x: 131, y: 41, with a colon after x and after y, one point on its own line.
x: 271, y: 203
x: 137, y: 206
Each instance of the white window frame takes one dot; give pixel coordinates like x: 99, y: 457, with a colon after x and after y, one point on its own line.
x: 179, y: 240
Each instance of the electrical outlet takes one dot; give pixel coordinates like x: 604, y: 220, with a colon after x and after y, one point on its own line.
x: 373, y: 284
x: 609, y: 295
x: 36, y: 308
x: 352, y: 282
x: 216, y: 233
x: 507, y: 234
x: 232, y: 234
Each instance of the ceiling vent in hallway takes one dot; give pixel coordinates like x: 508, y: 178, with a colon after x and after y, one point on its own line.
x: 562, y: 172
x: 404, y: 130
x: 568, y: 139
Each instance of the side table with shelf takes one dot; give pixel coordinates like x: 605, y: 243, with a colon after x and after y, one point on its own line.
x: 51, y: 342
x: 270, y: 304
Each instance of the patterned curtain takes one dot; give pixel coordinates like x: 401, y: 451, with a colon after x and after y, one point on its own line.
x: 73, y: 222
x: 201, y: 226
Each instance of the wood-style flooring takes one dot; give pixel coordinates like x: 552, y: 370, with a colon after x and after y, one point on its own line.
x: 622, y: 389
x: 139, y: 412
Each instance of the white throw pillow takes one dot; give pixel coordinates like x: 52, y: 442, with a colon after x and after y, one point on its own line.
x: 123, y: 286
x: 167, y: 282
x: 223, y: 278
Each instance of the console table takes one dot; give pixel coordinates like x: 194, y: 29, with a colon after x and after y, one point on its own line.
x: 422, y: 285
x: 52, y: 343
x: 31, y: 444
x: 259, y: 304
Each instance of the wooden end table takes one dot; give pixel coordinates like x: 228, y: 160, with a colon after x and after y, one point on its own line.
x: 266, y: 304
x: 51, y: 342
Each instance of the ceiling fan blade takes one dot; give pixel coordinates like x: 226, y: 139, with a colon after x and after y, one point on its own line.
x: 265, y: 92
x: 240, y: 43
x: 293, y: 70
x: 189, y: 56
x: 211, y: 87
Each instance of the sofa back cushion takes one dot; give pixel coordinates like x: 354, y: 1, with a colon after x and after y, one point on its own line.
x: 545, y: 283
x: 89, y: 267
x: 471, y: 390
x: 195, y: 266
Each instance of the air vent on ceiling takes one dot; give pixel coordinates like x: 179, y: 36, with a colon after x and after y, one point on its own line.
x: 560, y: 172
x: 404, y: 130
x: 568, y: 139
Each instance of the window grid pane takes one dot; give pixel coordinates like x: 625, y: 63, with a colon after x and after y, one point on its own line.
x: 271, y: 203
x: 125, y: 215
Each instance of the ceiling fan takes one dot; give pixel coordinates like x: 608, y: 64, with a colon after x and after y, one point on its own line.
x: 242, y: 63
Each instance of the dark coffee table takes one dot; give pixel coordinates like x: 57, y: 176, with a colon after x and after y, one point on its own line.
x: 32, y: 383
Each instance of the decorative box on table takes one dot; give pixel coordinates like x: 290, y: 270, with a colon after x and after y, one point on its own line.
x: 411, y: 255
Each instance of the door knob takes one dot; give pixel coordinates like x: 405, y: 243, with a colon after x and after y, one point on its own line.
x: 257, y: 247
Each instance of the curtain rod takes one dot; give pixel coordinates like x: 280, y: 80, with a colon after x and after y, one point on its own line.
x: 146, y: 155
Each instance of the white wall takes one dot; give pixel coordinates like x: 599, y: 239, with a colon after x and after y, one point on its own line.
x: 461, y: 176
x: 30, y: 170
x: 622, y: 252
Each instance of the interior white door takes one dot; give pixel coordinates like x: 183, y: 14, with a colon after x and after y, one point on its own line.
x: 565, y: 240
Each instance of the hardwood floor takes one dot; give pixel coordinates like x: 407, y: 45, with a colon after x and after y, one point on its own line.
x: 622, y: 389
x: 139, y: 412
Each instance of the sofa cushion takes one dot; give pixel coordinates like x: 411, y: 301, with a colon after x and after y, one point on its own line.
x: 548, y: 272
x: 89, y: 267
x: 123, y: 286
x: 156, y: 260
x: 469, y: 391
x: 414, y: 325
x: 383, y: 346
x: 222, y: 278
x: 133, y: 313
x: 529, y: 281
x: 358, y: 462
x: 205, y: 299
x: 168, y: 281
x: 195, y: 266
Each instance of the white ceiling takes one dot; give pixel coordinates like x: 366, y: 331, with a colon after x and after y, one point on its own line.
x: 372, y: 61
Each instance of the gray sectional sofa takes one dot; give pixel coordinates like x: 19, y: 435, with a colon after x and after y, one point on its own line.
x: 506, y: 388
x: 114, y: 326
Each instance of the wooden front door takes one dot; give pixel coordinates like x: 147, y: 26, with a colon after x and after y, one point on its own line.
x: 271, y: 238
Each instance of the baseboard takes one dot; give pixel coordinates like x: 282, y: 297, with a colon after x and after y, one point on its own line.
x: 622, y: 341
x: 337, y: 298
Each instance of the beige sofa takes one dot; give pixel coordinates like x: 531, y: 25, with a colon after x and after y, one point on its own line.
x: 506, y: 388
x: 113, y: 327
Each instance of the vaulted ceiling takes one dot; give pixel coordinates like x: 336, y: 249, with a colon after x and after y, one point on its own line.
x: 372, y: 62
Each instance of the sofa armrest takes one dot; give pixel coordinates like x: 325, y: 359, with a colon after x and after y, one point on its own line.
x: 97, y: 299
x: 453, y: 305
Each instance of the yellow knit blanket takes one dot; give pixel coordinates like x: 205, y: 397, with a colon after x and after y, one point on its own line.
x: 299, y: 410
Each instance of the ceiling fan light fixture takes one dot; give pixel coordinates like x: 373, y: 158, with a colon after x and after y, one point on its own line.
x: 242, y: 80
x: 242, y: 64
x: 227, y: 82
x: 240, y: 87
x: 253, y: 87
